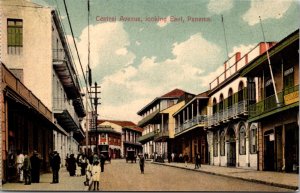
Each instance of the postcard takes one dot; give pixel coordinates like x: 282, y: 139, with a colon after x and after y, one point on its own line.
x: 146, y: 95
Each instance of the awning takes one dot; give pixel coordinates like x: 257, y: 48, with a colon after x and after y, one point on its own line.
x: 65, y: 120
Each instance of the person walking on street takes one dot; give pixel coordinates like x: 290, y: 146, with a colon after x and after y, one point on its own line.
x: 197, y: 161
x: 142, y: 163
x: 72, y: 165
x: 19, y: 163
x: 186, y: 159
x: 27, y: 169
x: 173, y: 156
x: 96, y: 175
x: 35, y: 167
x: 55, y: 165
x: 102, y: 162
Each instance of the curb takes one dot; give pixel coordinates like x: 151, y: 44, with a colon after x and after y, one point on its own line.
x: 234, y: 177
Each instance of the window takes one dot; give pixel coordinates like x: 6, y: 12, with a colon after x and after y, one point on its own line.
x: 214, y: 105
x: 288, y: 78
x: 242, y: 140
x: 222, y: 144
x: 221, y: 103
x: 14, y: 36
x: 215, y: 140
x: 230, y: 92
x: 253, y: 139
x: 240, y: 92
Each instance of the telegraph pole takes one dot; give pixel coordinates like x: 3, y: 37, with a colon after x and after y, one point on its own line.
x: 96, y: 103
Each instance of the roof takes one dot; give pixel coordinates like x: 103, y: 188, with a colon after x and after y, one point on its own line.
x: 123, y: 124
x: 176, y: 93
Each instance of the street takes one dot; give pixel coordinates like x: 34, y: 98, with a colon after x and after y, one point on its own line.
x: 122, y: 176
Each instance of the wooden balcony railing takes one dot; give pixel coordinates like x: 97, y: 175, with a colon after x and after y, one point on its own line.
x: 285, y: 97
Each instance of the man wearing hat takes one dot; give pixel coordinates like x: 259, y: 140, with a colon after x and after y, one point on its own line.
x: 55, y: 165
x: 35, y: 167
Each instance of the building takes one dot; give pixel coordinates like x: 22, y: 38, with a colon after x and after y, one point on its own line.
x: 190, y: 131
x: 118, y: 137
x: 278, y: 122
x: 46, y: 69
x: 232, y: 139
x: 158, y: 122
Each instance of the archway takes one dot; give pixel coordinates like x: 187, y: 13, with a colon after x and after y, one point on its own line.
x: 231, y: 147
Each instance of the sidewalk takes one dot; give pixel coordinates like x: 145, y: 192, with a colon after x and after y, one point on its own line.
x: 66, y: 183
x: 279, y: 179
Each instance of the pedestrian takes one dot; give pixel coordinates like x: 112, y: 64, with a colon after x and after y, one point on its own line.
x: 142, y: 163
x: 67, y: 161
x: 169, y: 157
x: 19, y: 163
x: 35, y: 167
x: 96, y: 175
x: 186, y: 159
x: 27, y: 169
x: 88, y: 173
x: 83, y: 163
x: 11, y: 166
x: 173, y: 156
x: 102, y: 162
x: 72, y: 165
x: 55, y: 165
x: 180, y: 158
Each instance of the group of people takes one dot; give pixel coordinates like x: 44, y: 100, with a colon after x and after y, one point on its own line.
x: 95, y: 165
x: 28, y: 167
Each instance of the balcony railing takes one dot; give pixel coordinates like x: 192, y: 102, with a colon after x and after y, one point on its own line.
x: 200, y: 119
x: 58, y: 55
x: 228, y: 113
x: 162, y: 134
x: 269, y: 103
x: 61, y: 105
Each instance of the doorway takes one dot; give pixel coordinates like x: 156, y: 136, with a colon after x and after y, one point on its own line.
x: 269, y: 150
x: 292, y: 147
x: 231, y: 148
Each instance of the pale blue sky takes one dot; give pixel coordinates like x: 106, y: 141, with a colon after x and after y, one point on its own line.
x: 134, y: 62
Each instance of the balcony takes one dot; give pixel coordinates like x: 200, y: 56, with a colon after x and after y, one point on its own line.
x: 287, y: 97
x: 147, y: 137
x: 148, y: 118
x: 161, y: 135
x: 199, y: 120
x: 228, y: 113
x: 65, y: 114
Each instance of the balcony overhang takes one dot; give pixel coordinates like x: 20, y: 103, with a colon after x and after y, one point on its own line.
x: 200, y: 126
x: 66, y: 78
x: 65, y: 120
x: 79, y: 135
x: 132, y: 143
x: 147, y: 137
x: 149, y: 119
x: 161, y: 136
x: 79, y: 107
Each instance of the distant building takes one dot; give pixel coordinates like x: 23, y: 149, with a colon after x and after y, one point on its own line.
x: 278, y: 123
x: 159, y: 124
x: 190, y: 131
x: 115, y: 136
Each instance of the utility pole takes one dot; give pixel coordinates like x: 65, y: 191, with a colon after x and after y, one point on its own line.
x: 96, y: 103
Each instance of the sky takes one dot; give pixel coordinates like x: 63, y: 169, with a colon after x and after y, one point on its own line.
x: 142, y: 49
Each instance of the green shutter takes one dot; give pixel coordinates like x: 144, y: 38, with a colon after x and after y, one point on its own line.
x: 245, y: 97
x: 226, y: 103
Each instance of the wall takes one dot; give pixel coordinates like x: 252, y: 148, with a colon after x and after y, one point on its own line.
x: 36, y: 57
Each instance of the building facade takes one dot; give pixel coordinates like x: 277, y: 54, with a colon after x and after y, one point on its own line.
x: 159, y: 124
x: 190, y: 132
x: 278, y: 121
x: 232, y: 140
x: 118, y: 136
x: 46, y: 68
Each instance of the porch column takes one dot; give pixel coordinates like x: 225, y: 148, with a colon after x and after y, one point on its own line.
x: 178, y: 120
x: 247, y: 150
x: 192, y: 110
x: 219, y: 148
x: 183, y: 115
x: 197, y: 107
x: 188, y: 114
x: 237, y: 164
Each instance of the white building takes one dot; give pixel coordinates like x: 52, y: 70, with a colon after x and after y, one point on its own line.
x: 232, y: 141
x: 34, y: 48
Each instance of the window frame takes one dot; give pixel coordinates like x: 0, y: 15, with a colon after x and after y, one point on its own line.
x: 242, y: 136
x: 253, y: 135
x: 222, y: 143
x: 15, y: 36
x: 215, y: 144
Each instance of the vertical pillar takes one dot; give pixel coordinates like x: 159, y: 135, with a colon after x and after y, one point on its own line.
x: 187, y: 114
x: 237, y: 164
x: 197, y: 107
x: 192, y: 110
x: 183, y: 116
x: 247, y: 150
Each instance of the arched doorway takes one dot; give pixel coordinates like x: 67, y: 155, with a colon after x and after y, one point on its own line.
x: 231, y: 147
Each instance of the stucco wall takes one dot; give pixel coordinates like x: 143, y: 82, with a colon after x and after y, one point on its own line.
x: 36, y: 56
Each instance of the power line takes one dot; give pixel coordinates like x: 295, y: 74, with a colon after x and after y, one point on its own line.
x: 85, y: 80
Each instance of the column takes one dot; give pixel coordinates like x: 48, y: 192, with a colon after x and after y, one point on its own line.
x: 247, y: 150
x: 106, y: 138
x: 179, y: 122
x: 192, y: 110
x: 183, y: 115
x: 188, y: 114
x: 197, y: 107
x: 237, y: 164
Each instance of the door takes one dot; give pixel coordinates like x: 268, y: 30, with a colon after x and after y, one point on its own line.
x: 292, y: 148
x: 231, y: 154
x: 269, y: 155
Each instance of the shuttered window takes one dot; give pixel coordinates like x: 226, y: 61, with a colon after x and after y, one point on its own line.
x: 14, y: 36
